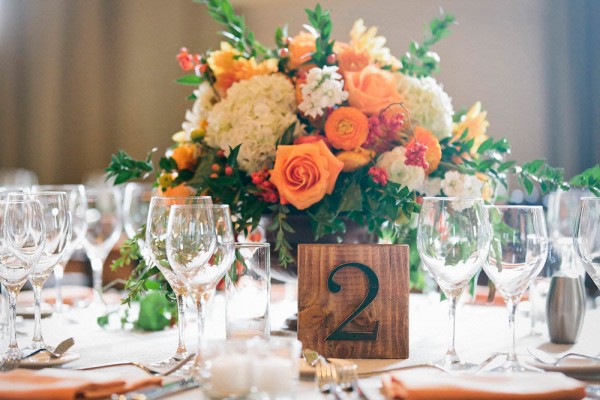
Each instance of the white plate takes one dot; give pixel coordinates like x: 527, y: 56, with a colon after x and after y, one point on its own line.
x: 572, y: 366
x: 43, y: 360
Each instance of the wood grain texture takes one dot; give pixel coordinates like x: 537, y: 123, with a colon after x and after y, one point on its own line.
x: 320, y: 311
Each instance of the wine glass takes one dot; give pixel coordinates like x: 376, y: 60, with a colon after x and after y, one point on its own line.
x: 22, y: 241
x: 136, y: 202
x: 586, y: 237
x: 77, y: 206
x: 200, y: 249
x: 518, y: 252
x: 453, y: 240
x: 103, y: 217
x: 57, y: 220
x: 155, y: 250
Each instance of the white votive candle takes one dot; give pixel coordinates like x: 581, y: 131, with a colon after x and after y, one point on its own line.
x: 274, y: 374
x: 229, y: 376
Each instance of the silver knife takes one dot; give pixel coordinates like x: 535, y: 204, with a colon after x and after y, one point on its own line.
x: 158, y: 393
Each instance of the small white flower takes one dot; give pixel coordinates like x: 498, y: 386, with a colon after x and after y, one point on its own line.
x: 324, y: 88
x: 431, y: 187
x: 406, y: 175
x: 428, y: 104
x: 456, y: 184
x: 205, y: 100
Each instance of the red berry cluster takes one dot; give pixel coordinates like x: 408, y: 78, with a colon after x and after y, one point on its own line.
x: 267, y: 190
x: 383, y: 131
x: 415, y: 155
x: 379, y: 175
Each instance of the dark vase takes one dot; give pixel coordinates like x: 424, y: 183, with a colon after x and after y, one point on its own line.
x: 301, y: 223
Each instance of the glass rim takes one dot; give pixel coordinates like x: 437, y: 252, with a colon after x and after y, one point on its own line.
x: 42, y: 193
x: 65, y: 185
x: 442, y: 198
x: 252, y: 244
x: 180, y: 206
x: 514, y: 206
x: 586, y: 198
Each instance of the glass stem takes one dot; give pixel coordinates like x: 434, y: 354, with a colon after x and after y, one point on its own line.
x: 59, y: 271
x: 97, y: 266
x: 200, y: 302
x: 38, y: 340
x: 511, y: 304
x: 181, y: 349
x: 12, y: 322
x: 452, y: 326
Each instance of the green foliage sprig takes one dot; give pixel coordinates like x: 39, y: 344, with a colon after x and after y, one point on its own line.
x: 124, y: 168
x: 320, y: 21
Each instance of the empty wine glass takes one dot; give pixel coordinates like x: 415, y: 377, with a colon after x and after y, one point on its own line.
x: 22, y: 240
x: 518, y: 252
x: 155, y: 250
x: 77, y: 206
x: 200, y: 249
x: 136, y: 202
x: 453, y: 240
x: 103, y: 218
x: 586, y: 237
x: 57, y: 220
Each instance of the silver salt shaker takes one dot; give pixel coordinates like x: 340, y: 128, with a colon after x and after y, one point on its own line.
x: 565, y: 308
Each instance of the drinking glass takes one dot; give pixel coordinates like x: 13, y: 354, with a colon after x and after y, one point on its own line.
x: 136, y: 202
x: 453, y: 239
x: 77, y: 207
x: 200, y: 249
x: 57, y: 220
x: 103, y: 217
x: 155, y: 250
x: 517, y: 254
x: 586, y: 237
x: 22, y: 240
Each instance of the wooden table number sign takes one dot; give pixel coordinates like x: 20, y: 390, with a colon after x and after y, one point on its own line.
x: 353, y: 299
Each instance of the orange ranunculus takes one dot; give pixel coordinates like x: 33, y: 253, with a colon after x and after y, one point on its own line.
x: 186, y: 156
x: 371, y: 89
x: 300, y: 47
x: 305, y: 173
x: 433, y: 155
x: 347, y: 128
x: 229, y: 67
x: 181, y: 190
x: 351, y: 60
x: 354, y: 160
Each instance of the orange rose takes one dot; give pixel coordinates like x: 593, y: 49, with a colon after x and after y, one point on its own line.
x: 350, y: 60
x: 371, y: 89
x: 181, y: 190
x: 433, y: 155
x: 300, y: 47
x: 347, y: 128
x: 186, y: 156
x: 304, y: 173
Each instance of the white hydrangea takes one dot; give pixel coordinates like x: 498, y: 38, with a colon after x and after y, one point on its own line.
x: 205, y: 100
x: 456, y: 184
x: 324, y: 88
x: 431, y: 187
x: 406, y: 175
x: 428, y: 104
x: 255, y: 113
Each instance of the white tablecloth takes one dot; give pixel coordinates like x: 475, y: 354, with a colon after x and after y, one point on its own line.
x: 481, y: 330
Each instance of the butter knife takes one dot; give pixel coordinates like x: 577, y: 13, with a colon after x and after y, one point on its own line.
x: 158, y: 393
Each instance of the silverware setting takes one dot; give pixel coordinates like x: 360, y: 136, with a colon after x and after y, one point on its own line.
x: 150, y: 370
x: 154, y: 393
x: 58, y: 351
x: 549, y: 359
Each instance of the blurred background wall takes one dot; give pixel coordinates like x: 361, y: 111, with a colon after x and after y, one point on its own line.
x: 81, y: 79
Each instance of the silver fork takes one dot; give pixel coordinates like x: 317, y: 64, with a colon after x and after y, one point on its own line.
x: 348, y: 379
x: 327, y: 379
x: 549, y: 359
x: 143, y: 367
x: 59, y: 350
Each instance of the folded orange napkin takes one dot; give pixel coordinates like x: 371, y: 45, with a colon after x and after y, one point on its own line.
x: 435, y: 384
x: 63, y: 384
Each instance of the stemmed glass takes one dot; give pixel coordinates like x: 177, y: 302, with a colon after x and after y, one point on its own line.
x: 22, y: 240
x: 586, y: 237
x: 103, y: 217
x: 136, y: 203
x: 57, y: 220
x: 518, y: 252
x: 155, y: 250
x: 77, y: 207
x: 453, y: 240
x: 200, y: 249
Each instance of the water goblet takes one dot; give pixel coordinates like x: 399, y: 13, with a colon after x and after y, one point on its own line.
x: 200, y: 249
x: 155, y: 250
x: 586, y: 237
x: 136, y: 203
x: 103, y: 217
x: 57, y: 220
x: 77, y: 207
x: 453, y: 240
x: 517, y: 254
x: 22, y: 240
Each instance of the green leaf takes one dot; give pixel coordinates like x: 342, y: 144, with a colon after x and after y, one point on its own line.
x: 506, y: 165
x: 528, y: 185
x: 124, y: 168
x: 288, y: 136
x: 152, y: 312
x: 351, y: 199
x: 190, y: 80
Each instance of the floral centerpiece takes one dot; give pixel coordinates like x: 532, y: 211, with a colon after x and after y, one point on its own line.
x: 339, y: 130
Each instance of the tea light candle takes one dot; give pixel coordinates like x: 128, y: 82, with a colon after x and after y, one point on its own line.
x: 274, y: 374
x: 229, y: 376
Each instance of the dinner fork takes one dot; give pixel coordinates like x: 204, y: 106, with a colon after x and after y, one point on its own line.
x: 550, y: 359
x: 327, y: 379
x: 347, y: 376
x: 150, y: 370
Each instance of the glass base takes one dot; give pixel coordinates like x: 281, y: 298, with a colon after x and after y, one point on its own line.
x: 171, y: 362
x: 513, y: 367
x: 451, y: 363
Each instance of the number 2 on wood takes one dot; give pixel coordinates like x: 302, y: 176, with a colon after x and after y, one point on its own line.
x: 339, y: 333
